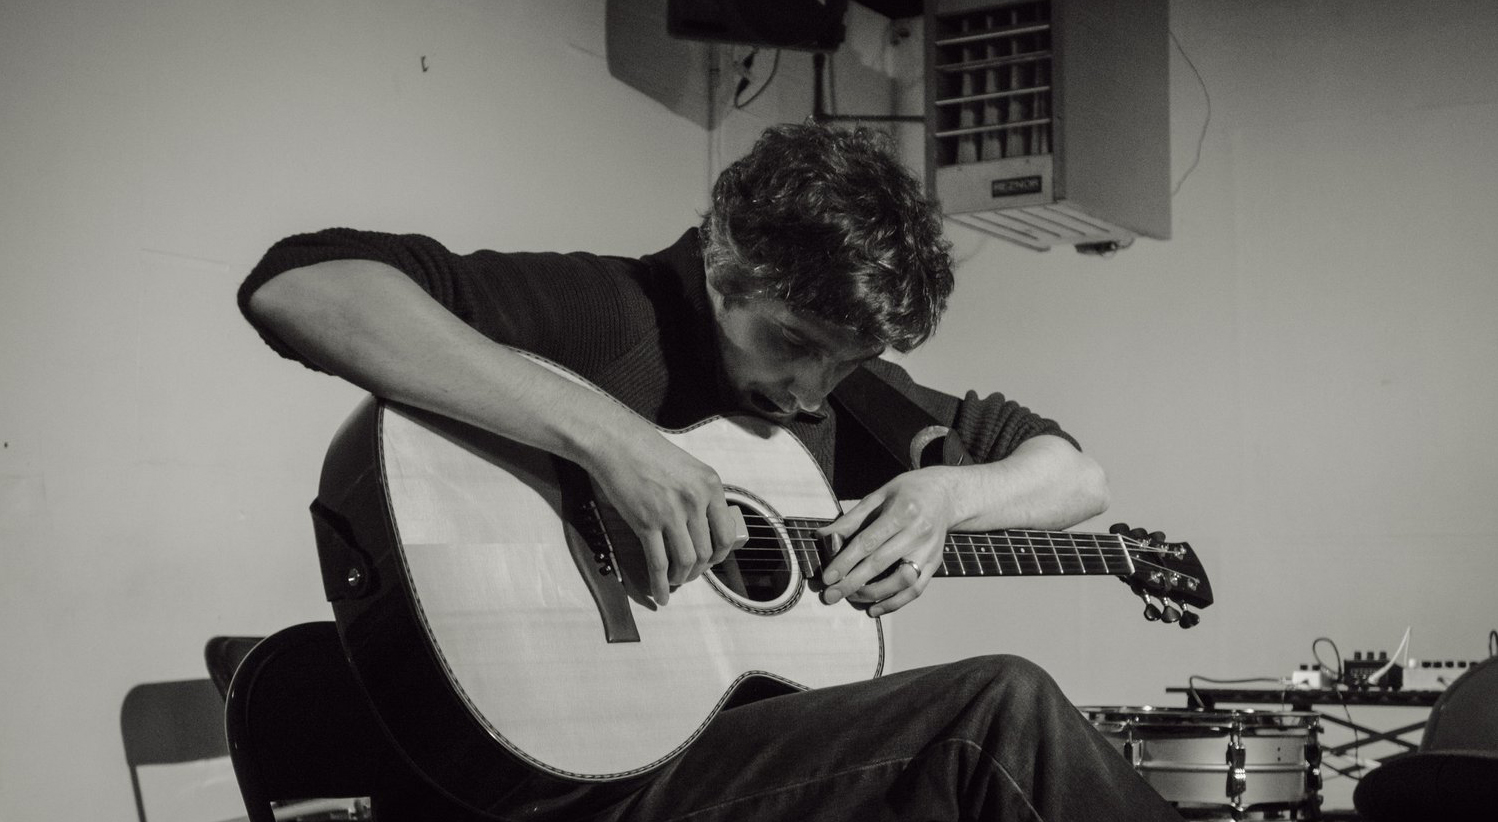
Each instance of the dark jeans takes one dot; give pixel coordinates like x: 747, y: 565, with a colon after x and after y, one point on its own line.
x: 990, y: 738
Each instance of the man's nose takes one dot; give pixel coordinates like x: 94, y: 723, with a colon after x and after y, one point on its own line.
x: 805, y: 405
x: 810, y: 387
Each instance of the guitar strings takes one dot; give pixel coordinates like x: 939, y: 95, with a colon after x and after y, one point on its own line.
x: 1064, y: 563
x: 765, y: 528
x: 1046, y: 540
x: 974, y: 548
x: 1041, y: 551
x: 1084, y: 557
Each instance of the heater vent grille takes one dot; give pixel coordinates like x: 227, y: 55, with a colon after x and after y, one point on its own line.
x: 993, y: 83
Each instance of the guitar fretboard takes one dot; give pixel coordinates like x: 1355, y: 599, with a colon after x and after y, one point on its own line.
x: 998, y: 553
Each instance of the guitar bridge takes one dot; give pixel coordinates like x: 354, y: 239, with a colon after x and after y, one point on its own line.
x: 596, y: 534
x: 593, y: 553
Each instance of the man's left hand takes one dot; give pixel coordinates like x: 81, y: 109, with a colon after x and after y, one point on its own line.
x: 906, y: 519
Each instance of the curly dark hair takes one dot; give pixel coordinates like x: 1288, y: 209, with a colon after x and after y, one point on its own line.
x: 828, y: 221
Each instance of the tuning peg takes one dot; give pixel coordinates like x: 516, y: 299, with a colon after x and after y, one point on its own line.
x: 1151, y: 610
x: 1189, y: 619
x: 1170, y: 614
x: 1119, y: 528
x: 1138, y: 534
x: 1157, y: 538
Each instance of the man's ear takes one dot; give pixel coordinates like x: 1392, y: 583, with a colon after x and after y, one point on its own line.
x: 724, y: 291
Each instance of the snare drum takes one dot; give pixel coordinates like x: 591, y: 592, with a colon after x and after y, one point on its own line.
x: 1240, y: 761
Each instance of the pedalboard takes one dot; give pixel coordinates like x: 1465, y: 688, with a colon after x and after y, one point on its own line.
x: 1357, y: 674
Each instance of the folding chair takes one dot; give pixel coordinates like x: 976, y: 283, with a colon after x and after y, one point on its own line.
x: 171, y: 723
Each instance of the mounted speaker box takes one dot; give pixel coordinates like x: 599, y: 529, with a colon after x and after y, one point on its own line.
x: 642, y: 55
x: 807, y: 25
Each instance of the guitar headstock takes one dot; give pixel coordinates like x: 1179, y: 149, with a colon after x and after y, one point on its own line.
x: 1167, y: 576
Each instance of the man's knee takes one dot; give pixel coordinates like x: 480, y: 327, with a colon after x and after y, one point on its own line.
x: 1005, y: 666
x: 1016, y: 679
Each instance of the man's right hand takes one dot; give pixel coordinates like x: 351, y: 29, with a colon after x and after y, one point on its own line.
x: 673, y: 502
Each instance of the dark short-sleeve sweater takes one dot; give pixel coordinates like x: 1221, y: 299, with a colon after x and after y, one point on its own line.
x: 640, y: 329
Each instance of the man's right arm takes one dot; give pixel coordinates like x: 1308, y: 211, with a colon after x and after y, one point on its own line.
x: 368, y: 323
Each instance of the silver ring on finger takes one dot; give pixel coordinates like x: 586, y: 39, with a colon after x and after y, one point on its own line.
x: 913, y: 565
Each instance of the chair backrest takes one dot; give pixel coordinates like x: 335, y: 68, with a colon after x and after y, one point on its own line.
x: 222, y: 655
x: 166, y: 723
x: 299, y: 727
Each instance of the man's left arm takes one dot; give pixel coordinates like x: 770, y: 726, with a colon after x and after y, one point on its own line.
x: 1045, y: 482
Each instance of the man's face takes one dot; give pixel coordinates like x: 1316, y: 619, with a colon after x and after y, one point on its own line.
x: 779, y: 363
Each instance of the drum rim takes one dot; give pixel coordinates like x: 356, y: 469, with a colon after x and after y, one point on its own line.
x: 1196, y: 715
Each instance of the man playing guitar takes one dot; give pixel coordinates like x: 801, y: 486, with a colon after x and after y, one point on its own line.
x: 819, y: 252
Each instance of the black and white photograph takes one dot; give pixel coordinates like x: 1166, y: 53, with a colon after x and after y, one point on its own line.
x: 748, y: 410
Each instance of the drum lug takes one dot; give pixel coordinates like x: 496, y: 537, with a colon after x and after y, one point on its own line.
x: 1313, y: 762
x: 1237, y: 762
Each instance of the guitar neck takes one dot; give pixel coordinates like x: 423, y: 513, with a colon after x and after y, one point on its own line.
x: 1014, y: 553
x: 1034, y: 553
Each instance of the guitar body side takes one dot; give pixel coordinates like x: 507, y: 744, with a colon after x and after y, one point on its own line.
x: 481, y: 646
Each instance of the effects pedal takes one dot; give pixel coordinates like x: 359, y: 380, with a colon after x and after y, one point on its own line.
x: 1311, y: 678
x: 1360, y: 671
x: 1434, y: 675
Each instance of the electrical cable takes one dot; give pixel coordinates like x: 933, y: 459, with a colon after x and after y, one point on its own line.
x: 1337, y: 673
x: 1203, y: 136
x: 1196, y: 698
x: 1404, y: 644
x: 744, y: 83
x: 829, y: 71
x: 1357, y: 739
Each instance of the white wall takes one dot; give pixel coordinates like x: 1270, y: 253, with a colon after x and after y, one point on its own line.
x: 158, y: 459
x: 1297, y: 383
x: 1300, y: 383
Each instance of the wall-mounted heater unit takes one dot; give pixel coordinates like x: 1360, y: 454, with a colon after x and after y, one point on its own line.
x: 1048, y: 121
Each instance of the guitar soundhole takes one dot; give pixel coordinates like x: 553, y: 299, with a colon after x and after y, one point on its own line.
x: 760, y: 570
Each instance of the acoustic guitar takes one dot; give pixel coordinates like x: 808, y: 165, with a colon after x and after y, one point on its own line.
x: 495, y: 610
